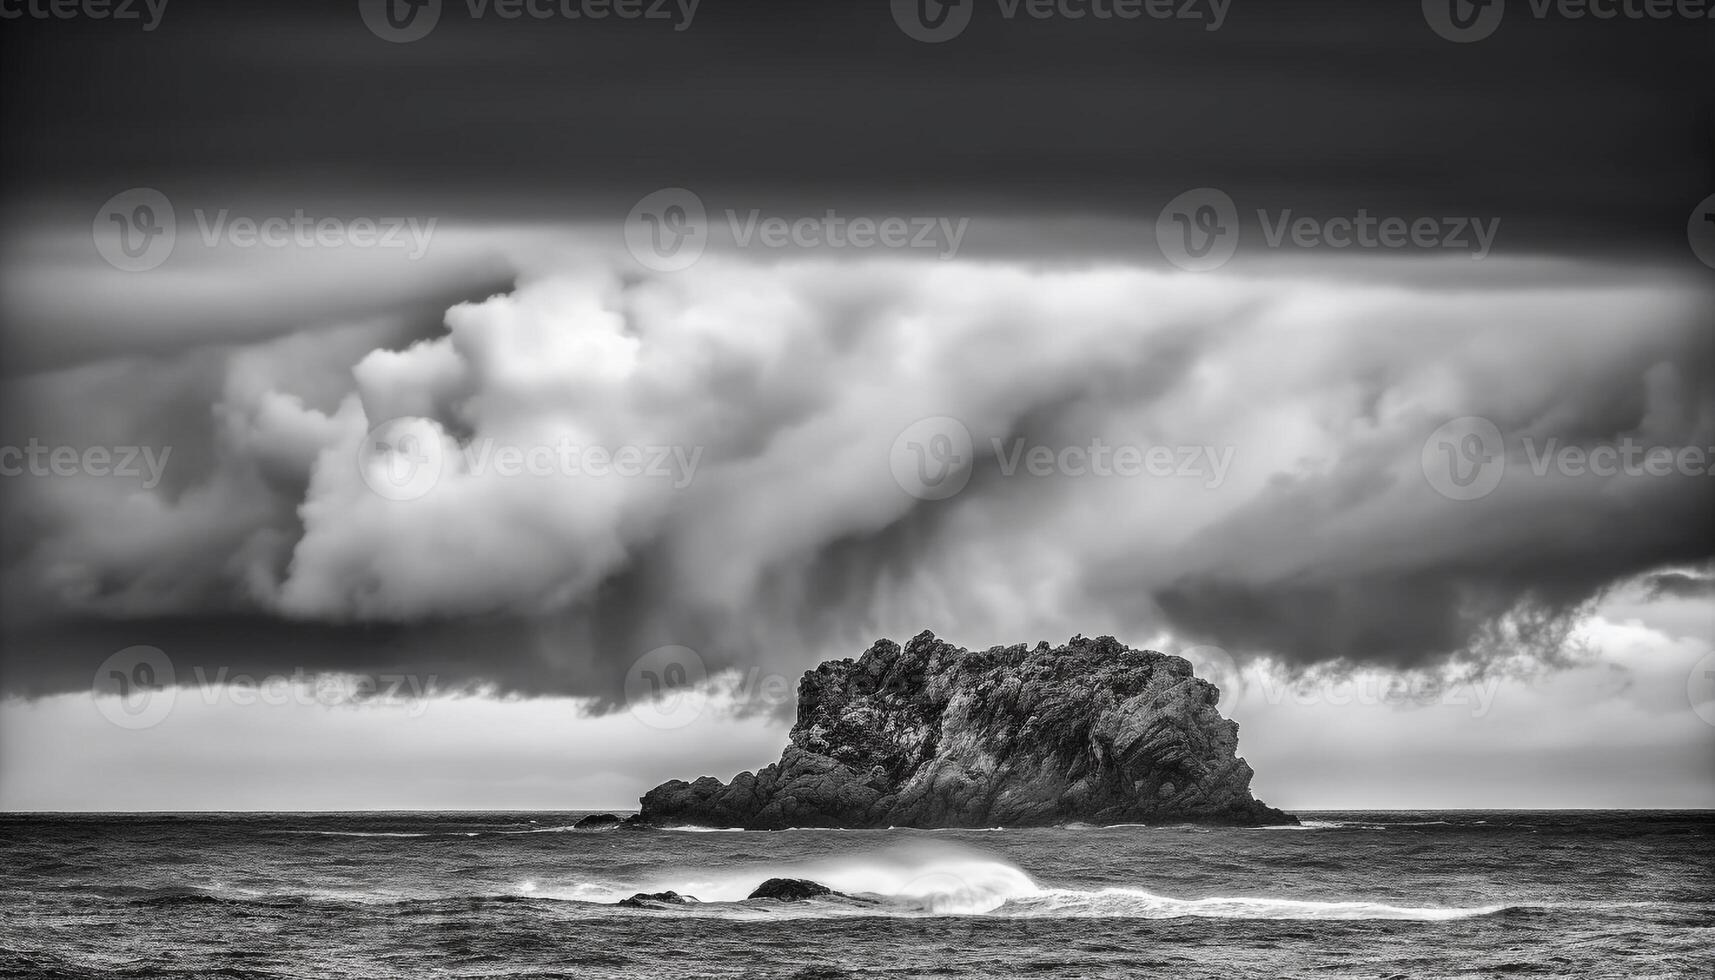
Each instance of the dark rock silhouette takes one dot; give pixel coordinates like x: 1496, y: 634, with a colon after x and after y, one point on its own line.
x: 790, y: 889
x: 643, y: 901
x: 597, y: 821
x: 931, y: 735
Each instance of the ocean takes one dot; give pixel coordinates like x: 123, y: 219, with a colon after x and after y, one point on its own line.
x: 418, y: 895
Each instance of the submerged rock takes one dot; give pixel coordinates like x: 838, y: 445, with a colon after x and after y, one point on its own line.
x: 931, y: 735
x: 597, y: 821
x: 790, y: 889
x: 642, y: 900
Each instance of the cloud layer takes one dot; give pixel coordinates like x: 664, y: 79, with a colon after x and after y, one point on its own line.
x: 790, y: 539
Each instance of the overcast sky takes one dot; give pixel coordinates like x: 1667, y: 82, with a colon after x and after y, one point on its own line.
x: 1313, y: 522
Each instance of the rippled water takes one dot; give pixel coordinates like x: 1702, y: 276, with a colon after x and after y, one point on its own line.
x: 1587, y: 894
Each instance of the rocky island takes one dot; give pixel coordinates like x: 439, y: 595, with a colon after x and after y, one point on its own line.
x: 932, y: 735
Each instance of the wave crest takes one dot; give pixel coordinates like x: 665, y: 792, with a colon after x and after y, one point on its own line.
x: 1131, y: 903
x: 920, y: 878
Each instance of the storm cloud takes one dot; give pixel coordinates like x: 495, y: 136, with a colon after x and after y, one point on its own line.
x: 792, y: 539
x: 1297, y: 393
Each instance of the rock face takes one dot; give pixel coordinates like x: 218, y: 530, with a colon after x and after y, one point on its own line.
x: 790, y: 889
x: 931, y: 735
x: 643, y: 900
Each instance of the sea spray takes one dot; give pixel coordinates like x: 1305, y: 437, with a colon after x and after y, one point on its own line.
x: 939, y: 877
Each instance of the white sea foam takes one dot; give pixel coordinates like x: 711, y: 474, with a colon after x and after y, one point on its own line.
x: 907, y: 877
x: 922, y: 878
x: 564, y: 829
x: 704, y: 830
x: 1326, y: 825
x: 1132, y: 903
x: 368, y: 833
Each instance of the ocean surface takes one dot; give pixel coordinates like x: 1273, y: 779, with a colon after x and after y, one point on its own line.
x: 1404, y: 895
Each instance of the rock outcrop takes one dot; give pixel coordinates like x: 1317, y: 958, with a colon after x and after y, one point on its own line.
x: 931, y: 735
x: 643, y: 900
x: 790, y: 890
x: 597, y: 821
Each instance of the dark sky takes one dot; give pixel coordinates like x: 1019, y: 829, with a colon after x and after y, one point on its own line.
x: 1581, y: 135
x: 1590, y: 141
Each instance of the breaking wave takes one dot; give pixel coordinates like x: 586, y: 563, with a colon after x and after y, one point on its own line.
x: 918, y: 879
